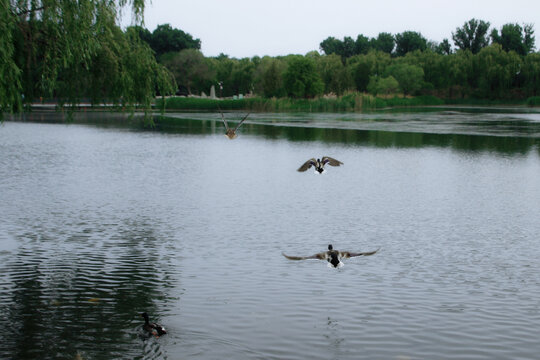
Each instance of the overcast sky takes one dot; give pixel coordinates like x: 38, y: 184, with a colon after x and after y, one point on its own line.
x: 245, y: 28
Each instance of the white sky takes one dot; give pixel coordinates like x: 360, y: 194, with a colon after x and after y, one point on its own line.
x: 245, y: 28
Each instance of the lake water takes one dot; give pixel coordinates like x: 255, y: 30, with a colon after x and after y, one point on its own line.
x: 101, y: 221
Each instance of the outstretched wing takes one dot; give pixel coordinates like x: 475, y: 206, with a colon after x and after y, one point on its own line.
x: 347, y: 254
x: 240, y: 123
x: 320, y: 256
x: 223, y: 118
x: 311, y: 162
x: 331, y: 161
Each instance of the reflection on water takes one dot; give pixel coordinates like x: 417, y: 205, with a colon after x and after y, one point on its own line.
x: 64, y: 298
x: 470, y: 130
x: 101, y: 222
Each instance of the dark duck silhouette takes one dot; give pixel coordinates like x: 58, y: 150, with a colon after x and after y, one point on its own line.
x: 332, y: 256
x: 319, y: 164
x: 231, y: 133
x: 153, y: 328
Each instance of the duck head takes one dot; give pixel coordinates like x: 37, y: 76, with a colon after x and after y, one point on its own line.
x: 145, y: 316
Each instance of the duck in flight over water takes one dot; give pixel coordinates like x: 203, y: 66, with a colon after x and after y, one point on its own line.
x: 319, y: 164
x: 332, y: 256
x: 231, y: 133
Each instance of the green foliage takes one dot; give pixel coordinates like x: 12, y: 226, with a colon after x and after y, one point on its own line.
x: 331, y: 45
x: 349, y: 102
x: 444, y: 48
x: 383, y: 85
x: 533, y: 101
x: 530, y: 74
x: 268, y: 77
x: 334, y: 74
x: 362, y: 45
x: 301, y: 79
x: 70, y: 50
x: 165, y: 39
x: 409, y: 41
x: 513, y: 37
x: 497, y: 70
x: 363, y: 66
x: 190, y: 69
x: 384, y: 42
x: 472, y: 35
x: 10, y: 73
x: 409, y: 77
x: 348, y: 47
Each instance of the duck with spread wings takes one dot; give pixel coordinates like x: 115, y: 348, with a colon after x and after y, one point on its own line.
x: 319, y: 164
x: 332, y: 256
x: 231, y: 133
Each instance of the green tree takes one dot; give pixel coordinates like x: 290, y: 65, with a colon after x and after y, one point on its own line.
x: 530, y: 71
x: 269, y: 77
x: 444, y: 48
x: 432, y: 66
x: 384, y: 42
x: 513, y: 37
x: 10, y: 73
x: 456, y: 73
x: 166, y: 39
x: 55, y: 53
x: 190, y: 69
x: 334, y: 74
x: 362, y: 67
x: 362, y: 45
x: 409, y: 77
x: 497, y: 70
x: 242, y: 76
x: 382, y: 85
x: 331, y: 45
x: 301, y: 79
x: 408, y: 41
x: 472, y: 35
x: 349, y: 47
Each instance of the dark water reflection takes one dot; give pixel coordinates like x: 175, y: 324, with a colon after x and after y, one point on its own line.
x: 101, y: 222
x: 81, y: 296
x: 472, y: 129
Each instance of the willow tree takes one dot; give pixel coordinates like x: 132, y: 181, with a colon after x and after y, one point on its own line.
x: 72, y: 50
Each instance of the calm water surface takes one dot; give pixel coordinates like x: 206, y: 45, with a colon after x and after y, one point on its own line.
x: 101, y: 222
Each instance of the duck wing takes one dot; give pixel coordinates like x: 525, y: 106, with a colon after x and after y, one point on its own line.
x: 320, y: 256
x: 330, y: 161
x: 223, y: 118
x: 159, y: 329
x: 241, y: 121
x: 348, y: 254
x: 311, y: 162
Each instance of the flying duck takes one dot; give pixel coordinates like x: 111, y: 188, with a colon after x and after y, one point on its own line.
x: 319, y: 164
x: 332, y: 256
x: 231, y: 133
x: 155, y: 329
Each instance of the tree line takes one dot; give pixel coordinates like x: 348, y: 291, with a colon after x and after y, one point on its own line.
x: 500, y: 64
x: 74, y: 51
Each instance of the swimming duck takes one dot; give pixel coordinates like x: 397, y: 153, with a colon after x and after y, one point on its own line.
x: 155, y: 329
x: 332, y: 256
x: 319, y: 164
x: 231, y: 133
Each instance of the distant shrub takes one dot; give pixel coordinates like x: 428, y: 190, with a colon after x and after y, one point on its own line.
x: 533, y: 101
x: 349, y: 102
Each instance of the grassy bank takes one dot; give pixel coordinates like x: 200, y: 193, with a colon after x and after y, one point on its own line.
x: 347, y: 103
x: 350, y: 102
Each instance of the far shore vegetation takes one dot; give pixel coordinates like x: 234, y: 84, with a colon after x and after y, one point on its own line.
x: 352, y: 102
x: 56, y: 52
